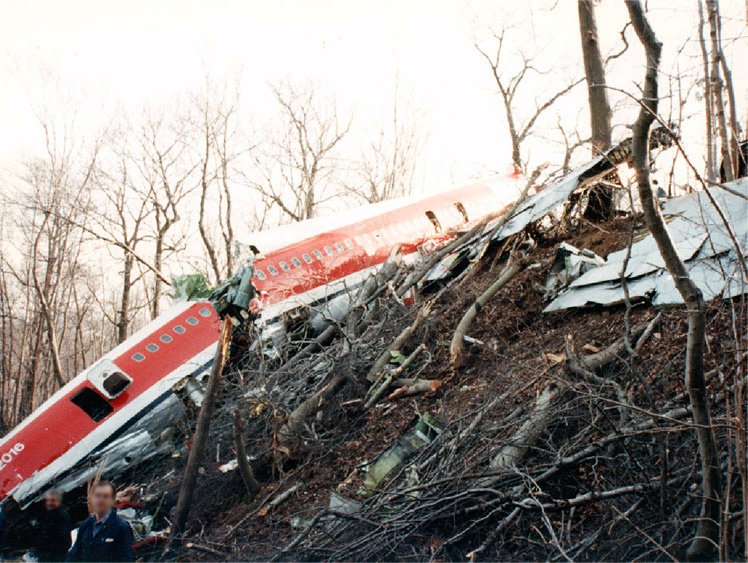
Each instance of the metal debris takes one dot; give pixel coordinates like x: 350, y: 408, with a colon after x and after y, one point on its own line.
x: 426, y: 431
x: 569, y: 264
x: 702, y: 241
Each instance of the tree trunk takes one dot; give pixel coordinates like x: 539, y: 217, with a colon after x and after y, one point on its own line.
x: 734, y: 132
x: 600, y: 115
x: 123, y: 322
x: 726, y: 168
x: 201, y: 434
x: 245, y: 468
x: 707, y: 533
x: 601, y: 204
x: 708, y: 102
x: 157, y: 283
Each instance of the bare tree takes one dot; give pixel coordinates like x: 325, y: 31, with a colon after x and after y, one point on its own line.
x: 299, y: 167
x: 707, y: 534
x: 728, y: 138
x: 219, y: 145
x: 708, y: 101
x: 121, y: 218
x: 389, y: 163
x: 601, y: 204
x: 508, y: 85
x: 165, y: 170
x: 52, y: 190
x: 594, y: 69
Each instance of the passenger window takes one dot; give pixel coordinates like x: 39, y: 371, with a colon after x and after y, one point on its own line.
x: 179, y: 329
x: 434, y: 221
x: 359, y: 240
x: 329, y: 251
x: 317, y: 254
x: 307, y: 258
x: 138, y: 357
x: 152, y: 348
x: 273, y: 270
x: 339, y: 247
x: 260, y: 274
x: 284, y: 266
x: 463, y: 211
x: 296, y: 262
x: 165, y: 338
x: 93, y: 404
x: 204, y: 312
x: 191, y: 321
x: 348, y: 242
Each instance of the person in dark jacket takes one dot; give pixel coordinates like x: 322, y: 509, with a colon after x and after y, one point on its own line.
x: 53, y: 540
x: 103, y: 536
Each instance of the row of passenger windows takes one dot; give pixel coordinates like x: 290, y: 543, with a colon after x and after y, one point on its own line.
x: 166, y: 338
x: 273, y: 271
x: 405, y: 228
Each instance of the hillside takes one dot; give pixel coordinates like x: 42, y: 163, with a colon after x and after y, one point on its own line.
x: 549, y: 441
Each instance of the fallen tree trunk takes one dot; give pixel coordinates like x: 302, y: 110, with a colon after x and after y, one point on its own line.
x: 414, y: 386
x: 531, y: 429
x: 370, y: 289
x: 288, y: 435
x: 401, y: 339
x: 377, y: 392
x: 457, y: 348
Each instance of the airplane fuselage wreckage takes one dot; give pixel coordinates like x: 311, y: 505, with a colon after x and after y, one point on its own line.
x: 121, y: 410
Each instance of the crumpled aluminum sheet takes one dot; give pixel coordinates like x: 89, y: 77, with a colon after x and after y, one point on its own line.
x: 702, y: 242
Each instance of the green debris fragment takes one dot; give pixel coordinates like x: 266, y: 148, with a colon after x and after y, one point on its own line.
x: 426, y: 431
x: 233, y: 296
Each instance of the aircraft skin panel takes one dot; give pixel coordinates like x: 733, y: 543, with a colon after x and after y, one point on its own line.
x: 59, y: 434
x: 370, y: 241
x: 62, y: 424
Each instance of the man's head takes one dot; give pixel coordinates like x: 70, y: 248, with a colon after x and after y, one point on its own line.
x: 53, y: 499
x: 103, y: 495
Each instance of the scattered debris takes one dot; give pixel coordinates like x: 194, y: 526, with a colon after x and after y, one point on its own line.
x: 426, y: 431
x: 703, y: 242
x: 568, y: 265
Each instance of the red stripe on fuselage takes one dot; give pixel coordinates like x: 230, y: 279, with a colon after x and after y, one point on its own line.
x: 63, y: 424
x: 416, y: 228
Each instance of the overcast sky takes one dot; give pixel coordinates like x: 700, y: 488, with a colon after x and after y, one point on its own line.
x: 146, y: 51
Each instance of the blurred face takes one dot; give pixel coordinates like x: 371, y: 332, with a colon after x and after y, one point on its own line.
x: 52, y: 501
x: 102, y: 500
